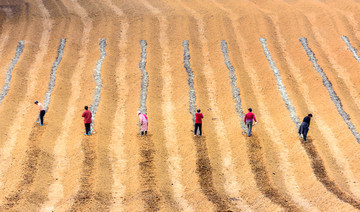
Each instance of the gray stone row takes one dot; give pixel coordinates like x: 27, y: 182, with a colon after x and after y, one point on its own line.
x: 351, y: 48
x: 235, y: 89
x: 53, y: 73
x: 97, y: 76
x: 192, y: 96
x: 334, y: 97
x: 280, y: 84
x: 144, y: 78
x: 6, y: 87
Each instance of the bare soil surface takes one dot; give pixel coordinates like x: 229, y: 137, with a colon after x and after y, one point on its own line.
x: 167, y: 58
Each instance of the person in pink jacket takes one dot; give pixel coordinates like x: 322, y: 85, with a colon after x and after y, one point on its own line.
x: 144, y: 122
x: 248, y: 120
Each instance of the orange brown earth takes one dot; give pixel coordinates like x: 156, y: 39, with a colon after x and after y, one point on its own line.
x: 168, y: 58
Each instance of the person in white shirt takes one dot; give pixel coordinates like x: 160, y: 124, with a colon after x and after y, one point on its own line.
x: 42, y: 112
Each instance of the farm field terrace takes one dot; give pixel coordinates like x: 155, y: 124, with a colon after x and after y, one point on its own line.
x: 167, y: 58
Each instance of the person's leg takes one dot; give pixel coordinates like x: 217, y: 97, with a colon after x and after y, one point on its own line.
x: 86, y: 129
x: 142, y: 132
x: 42, y: 114
x: 41, y: 118
x: 145, y: 132
x: 196, y: 126
x: 200, y: 129
x: 302, y: 129
x: 306, y: 130
x: 249, y: 128
x: 87, y: 126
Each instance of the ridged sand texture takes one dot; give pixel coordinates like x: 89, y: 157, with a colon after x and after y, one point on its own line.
x: 280, y: 84
x: 53, y: 73
x: 97, y: 77
x: 318, y: 165
x: 234, y: 87
x: 351, y: 48
x: 6, y: 87
x: 144, y: 64
x: 190, y: 73
x: 144, y: 78
x: 334, y: 97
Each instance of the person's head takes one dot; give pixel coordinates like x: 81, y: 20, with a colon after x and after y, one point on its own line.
x: 310, y: 115
x: 36, y: 102
x: 250, y: 110
x: 138, y: 113
x: 86, y: 107
x: 198, y: 110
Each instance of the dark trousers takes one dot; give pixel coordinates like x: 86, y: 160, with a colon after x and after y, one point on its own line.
x: 42, y: 114
x: 304, y: 129
x: 87, y: 128
x: 196, y: 127
x: 143, y: 132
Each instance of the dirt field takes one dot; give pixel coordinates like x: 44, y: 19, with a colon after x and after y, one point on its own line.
x: 282, y: 58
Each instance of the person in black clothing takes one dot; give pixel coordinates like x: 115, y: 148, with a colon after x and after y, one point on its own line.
x: 304, y: 127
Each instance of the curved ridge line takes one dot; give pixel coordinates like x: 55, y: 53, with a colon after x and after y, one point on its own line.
x: 97, y: 76
x: 53, y: 73
x: 351, y: 48
x: 192, y: 95
x: 6, y: 87
x: 174, y: 159
x: 280, y: 83
x: 285, y: 97
x: 325, y: 130
x: 62, y: 158
x: 205, y: 170
x: 341, y: 72
x: 319, y: 168
x: 151, y: 197
x: 235, y: 88
x: 144, y: 77
x: 32, y: 161
x: 345, y: 77
x: 6, y: 154
x: 117, y: 150
x: 286, y: 167
x: 334, y: 97
x: 231, y: 186
x: 253, y: 149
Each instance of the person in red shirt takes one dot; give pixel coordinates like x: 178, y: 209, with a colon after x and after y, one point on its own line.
x: 198, y: 121
x: 87, y: 120
x: 248, y: 119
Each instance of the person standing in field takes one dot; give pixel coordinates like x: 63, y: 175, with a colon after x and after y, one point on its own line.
x: 144, y: 123
x: 304, y: 127
x: 248, y: 119
x: 42, y: 112
x: 87, y: 120
x: 198, y: 122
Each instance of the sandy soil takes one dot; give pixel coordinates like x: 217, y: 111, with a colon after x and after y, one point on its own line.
x: 56, y: 168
